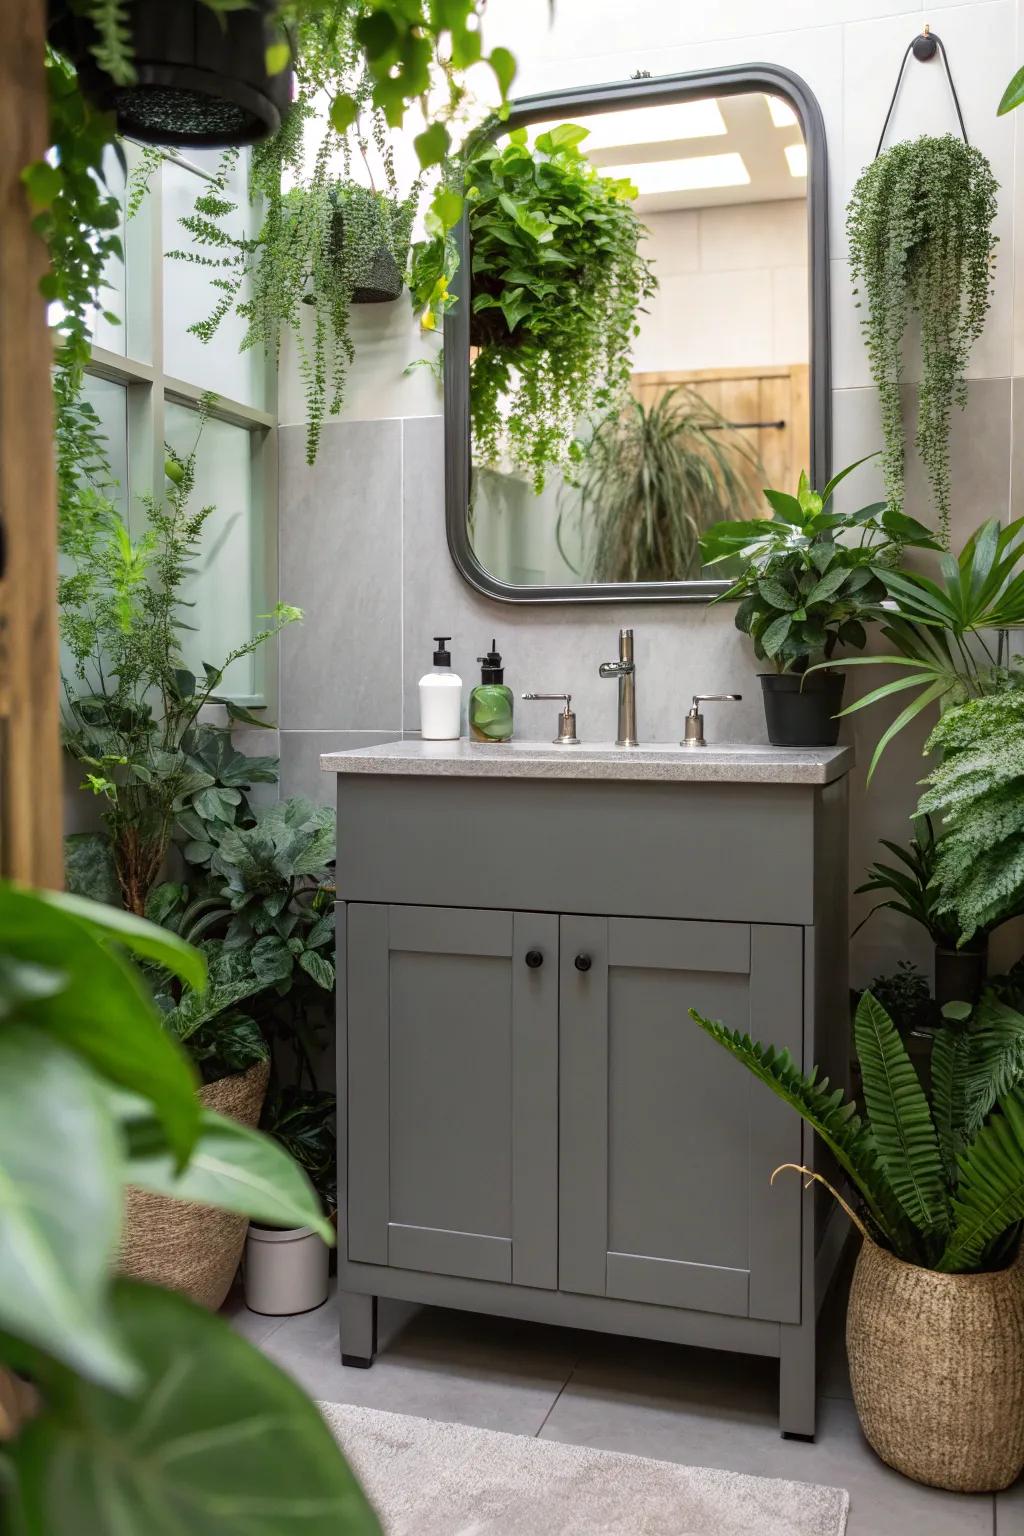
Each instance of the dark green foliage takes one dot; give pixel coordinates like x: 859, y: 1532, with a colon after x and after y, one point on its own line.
x: 942, y: 1183
x: 806, y: 589
x: 558, y: 281
x: 914, y: 893
x: 302, y: 1120
x: 978, y: 790
x: 651, y: 480
x: 906, y: 997
x: 921, y: 243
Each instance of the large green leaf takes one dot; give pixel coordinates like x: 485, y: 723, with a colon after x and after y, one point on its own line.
x: 950, y: 1054
x: 990, y: 1196
x: 219, y: 1442
x: 104, y: 1012
x: 900, y: 1119
x: 231, y: 1167
x: 60, y: 1207
x: 836, y: 1122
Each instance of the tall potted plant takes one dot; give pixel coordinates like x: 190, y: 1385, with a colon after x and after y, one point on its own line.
x: 935, y: 1327
x: 804, y: 590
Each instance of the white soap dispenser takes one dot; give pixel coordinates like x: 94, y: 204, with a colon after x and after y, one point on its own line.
x: 441, y: 697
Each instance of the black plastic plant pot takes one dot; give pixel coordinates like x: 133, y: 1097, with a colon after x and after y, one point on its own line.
x: 802, y: 716
x: 960, y: 973
x: 201, y: 76
x: 380, y: 282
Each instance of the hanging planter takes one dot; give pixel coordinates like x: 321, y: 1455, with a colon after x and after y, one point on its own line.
x: 200, y: 75
x: 370, y: 241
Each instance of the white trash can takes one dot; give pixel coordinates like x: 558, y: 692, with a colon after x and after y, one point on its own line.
x: 285, y: 1271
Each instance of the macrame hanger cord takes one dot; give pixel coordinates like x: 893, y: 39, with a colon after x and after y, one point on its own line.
x: 923, y: 48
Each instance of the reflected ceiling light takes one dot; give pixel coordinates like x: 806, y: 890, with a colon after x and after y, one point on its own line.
x: 684, y: 175
x: 653, y: 125
x: 782, y: 113
x: 796, y: 154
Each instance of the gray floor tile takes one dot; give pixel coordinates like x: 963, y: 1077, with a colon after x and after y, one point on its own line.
x: 252, y: 1325
x: 1010, y: 1511
x: 490, y: 1372
x: 730, y: 1422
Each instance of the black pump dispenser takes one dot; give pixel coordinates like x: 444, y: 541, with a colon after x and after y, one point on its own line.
x: 442, y: 657
x: 491, y: 669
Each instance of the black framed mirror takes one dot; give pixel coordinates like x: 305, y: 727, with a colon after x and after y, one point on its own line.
x: 639, y: 340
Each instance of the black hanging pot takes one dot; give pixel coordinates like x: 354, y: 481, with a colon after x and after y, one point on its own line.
x: 800, y: 709
x: 378, y: 279
x: 201, y: 76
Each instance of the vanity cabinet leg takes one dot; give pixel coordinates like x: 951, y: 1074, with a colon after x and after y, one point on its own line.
x: 357, y: 1324
x: 797, y: 1381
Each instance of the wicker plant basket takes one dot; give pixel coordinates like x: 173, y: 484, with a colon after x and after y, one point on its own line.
x: 192, y: 1248
x: 937, y: 1367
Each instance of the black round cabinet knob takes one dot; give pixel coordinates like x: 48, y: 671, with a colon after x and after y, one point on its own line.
x: 534, y: 958
x: 583, y: 962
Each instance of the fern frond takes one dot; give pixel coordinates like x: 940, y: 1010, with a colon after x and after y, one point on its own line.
x: 950, y: 1054
x: 901, y: 1122
x: 835, y: 1121
x: 112, y: 49
x: 990, y: 1197
x: 994, y: 1065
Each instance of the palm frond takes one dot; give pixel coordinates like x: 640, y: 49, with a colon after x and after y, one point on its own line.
x: 901, y: 1122
x: 990, y: 1196
x: 836, y: 1122
x: 950, y: 1054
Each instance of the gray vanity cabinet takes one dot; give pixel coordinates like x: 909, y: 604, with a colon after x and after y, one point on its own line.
x: 529, y: 1123
x: 453, y: 1091
x: 666, y: 1148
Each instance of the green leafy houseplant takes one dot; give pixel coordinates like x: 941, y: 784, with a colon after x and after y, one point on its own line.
x: 912, y: 890
x: 132, y: 704
x: 942, y: 1184
x: 939, y: 628
x: 804, y: 589
x: 978, y: 790
x: 96, y: 1096
x: 557, y: 279
x: 651, y: 480
x: 921, y: 243
x: 906, y: 998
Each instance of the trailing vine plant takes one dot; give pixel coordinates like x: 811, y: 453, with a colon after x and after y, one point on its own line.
x: 558, y: 280
x: 921, y: 243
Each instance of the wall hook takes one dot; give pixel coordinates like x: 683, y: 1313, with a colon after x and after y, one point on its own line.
x: 924, y: 47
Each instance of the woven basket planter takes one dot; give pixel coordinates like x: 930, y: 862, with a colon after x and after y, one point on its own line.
x: 185, y: 1247
x: 937, y: 1368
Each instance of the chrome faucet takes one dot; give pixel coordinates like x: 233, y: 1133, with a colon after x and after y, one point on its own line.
x: 625, y: 670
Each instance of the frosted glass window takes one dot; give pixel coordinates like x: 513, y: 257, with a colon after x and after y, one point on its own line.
x: 189, y: 294
x: 110, y: 402
x: 222, y: 588
x: 113, y: 298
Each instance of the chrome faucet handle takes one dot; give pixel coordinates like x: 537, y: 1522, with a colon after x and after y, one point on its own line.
x: 625, y: 671
x: 694, y: 733
x: 566, y: 720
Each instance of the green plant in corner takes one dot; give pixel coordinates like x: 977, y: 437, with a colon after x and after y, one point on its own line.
x: 941, y: 1182
x: 912, y: 888
x: 921, y: 243
x: 906, y: 997
x: 650, y: 481
x: 805, y: 589
x: 94, y: 1096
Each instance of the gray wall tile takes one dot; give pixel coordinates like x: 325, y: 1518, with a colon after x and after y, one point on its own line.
x: 301, y: 773
x: 341, y: 561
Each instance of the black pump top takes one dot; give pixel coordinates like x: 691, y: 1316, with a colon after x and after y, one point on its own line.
x: 442, y: 658
x: 491, y: 670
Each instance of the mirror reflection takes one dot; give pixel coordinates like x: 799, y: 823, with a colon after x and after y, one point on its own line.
x: 639, y: 340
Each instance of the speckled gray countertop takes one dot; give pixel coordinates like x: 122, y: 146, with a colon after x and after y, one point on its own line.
x: 720, y: 763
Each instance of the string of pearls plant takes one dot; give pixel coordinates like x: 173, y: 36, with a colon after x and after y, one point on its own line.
x: 921, y: 244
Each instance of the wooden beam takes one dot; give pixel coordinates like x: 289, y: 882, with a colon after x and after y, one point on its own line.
x: 30, y: 758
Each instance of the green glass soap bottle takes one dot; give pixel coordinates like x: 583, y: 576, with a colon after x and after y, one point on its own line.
x: 490, y: 703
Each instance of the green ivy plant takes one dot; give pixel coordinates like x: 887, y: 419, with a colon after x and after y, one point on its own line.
x: 921, y: 244
x: 810, y: 577
x: 558, y: 279
x: 978, y: 790
x: 651, y: 480
x: 942, y: 1182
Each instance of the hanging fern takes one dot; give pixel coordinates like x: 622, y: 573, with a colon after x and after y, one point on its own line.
x: 921, y: 243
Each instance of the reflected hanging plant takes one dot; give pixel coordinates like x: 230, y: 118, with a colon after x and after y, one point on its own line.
x: 921, y: 243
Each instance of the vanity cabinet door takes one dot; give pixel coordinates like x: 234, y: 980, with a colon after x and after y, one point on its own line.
x: 667, y: 1143
x: 452, y: 1091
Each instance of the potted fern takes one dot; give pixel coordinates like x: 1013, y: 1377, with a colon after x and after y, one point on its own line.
x: 935, y: 1327
x: 804, y: 590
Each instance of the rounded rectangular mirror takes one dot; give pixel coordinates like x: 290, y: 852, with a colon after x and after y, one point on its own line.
x: 638, y: 342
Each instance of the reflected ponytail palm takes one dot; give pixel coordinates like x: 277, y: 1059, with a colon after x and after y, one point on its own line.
x: 652, y: 481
